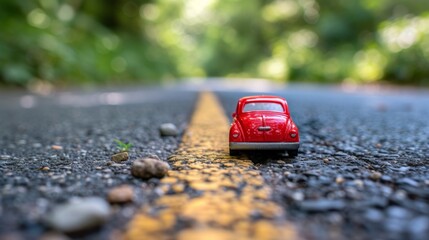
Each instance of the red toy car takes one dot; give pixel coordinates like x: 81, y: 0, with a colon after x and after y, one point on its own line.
x: 263, y: 123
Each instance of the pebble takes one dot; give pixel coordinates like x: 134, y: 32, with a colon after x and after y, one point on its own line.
x: 149, y: 167
x: 168, y: 129
x: 121, y: 194
x: 57, y: 147
x: 373, y: 215
x: 375, y: 176
x: 398, y: 212
x: 339, y: 180
x: 119, y: 157
x: 298, y: 196
x: 79, y: 215
x: 407, y: 181
x: 117, y: 165
x: 37, y: 145
x: 358, y: 183
x: 419, y: 226
x: 322, y: 205
x: 5, y: 157
x: 44, y: 168
x: 386, y: 179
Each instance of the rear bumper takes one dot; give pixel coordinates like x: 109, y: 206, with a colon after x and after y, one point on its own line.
x: 264, y: 145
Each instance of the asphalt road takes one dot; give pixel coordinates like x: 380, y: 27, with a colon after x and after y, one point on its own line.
x: 361, y: 173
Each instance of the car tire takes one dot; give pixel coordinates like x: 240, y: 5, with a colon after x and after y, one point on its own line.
x: 233, y: 152
x: 292, y: 153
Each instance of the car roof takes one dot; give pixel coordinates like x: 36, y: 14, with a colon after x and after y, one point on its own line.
x: 261, y: 98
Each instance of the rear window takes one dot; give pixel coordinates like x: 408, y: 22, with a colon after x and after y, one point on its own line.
x: 263, y: 106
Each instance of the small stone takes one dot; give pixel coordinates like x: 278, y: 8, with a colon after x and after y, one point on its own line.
x: 298, y: 196
x: 358, y: 183
x: 326, y: 160
x: 339, y: 180
x: 168, y: 129
x: 121, y: 194
x: 398, y: 212
x: 37, y: 145
x: 386, y: 179
x: 44, y: 168
x: 322, y: 205
x: 117, y: 165
x: 5, y: 157
x: 373, y: 215
x: 57, y: 147
x: 149, y: 167
x: 407, y: 181
x: 375, y: 176
x: 79, y: 215
x: 119, y: 157
x: 419, y: 227
x: 98, y: 168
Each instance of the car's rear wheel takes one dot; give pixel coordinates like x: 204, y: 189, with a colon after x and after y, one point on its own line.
x: 233, y: 152
x: 292, y: 153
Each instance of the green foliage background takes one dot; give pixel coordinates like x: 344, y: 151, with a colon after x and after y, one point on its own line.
x: 116, y: 41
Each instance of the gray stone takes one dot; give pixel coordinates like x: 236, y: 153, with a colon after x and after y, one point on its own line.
x: 407, y: 181
x: 386, y: 179
x: 398, y: 212
x: 79, y: 215
x: 149, y: 168
x: 168, y: 129
x: 419, y: 227
x: 322, y: 205
x: 4, y: 157
x: 373, y: 215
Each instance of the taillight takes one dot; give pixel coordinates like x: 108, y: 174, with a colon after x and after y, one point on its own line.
x: 235, y: 135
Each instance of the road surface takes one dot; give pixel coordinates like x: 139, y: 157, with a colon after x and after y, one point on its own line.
x: 361, y: 173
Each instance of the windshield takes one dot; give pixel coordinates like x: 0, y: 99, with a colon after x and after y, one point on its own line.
x: 263, y: 106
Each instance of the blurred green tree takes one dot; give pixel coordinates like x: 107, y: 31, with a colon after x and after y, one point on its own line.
x: 97, y: 42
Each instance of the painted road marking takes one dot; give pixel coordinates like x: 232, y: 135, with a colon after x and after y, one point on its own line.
x: 208, y: 194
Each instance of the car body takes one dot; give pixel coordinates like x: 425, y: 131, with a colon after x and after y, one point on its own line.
x: 263, y: 123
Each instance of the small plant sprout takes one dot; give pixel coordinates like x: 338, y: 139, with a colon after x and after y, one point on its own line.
x: 123, y: 147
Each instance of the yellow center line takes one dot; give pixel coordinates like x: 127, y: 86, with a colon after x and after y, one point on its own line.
x: 208, y: 194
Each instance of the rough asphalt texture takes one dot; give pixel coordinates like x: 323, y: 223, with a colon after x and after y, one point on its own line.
x: 361, y: 173
x: 86, y: 133
x: 363, y: 167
